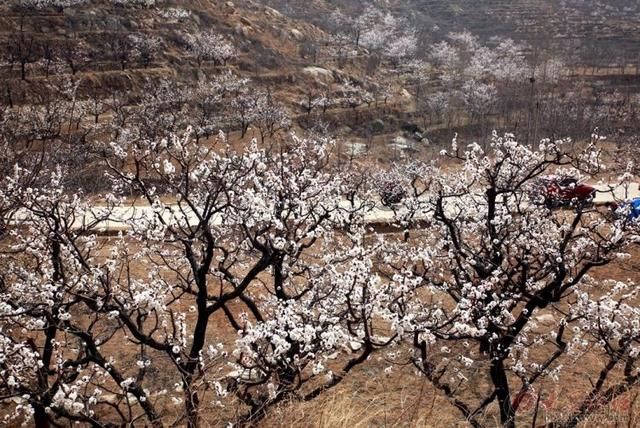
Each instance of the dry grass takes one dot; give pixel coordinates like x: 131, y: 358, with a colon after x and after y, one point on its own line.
x: 367, y: 399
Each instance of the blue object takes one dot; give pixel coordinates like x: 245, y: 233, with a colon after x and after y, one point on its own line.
x: 633, y: 206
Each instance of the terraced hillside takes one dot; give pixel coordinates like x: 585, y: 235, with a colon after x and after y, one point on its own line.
x: 95, y: 37
x: 95, y: 45
x: 124, y: 59
x: 598, y: 32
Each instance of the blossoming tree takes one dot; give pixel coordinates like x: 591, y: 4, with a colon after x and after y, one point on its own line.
x: 499, y: 289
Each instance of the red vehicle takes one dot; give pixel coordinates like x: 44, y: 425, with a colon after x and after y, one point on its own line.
x: 556, y: 191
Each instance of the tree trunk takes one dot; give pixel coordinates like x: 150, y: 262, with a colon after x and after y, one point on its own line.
x: 9, y: 97
x: 40, y: 418
x: 192, y: 403
x: 501, y: 384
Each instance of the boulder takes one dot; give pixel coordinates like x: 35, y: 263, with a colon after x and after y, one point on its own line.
x: 241, y: 30
x: 546, y: 320
x: 319, y: 74
x: 244, y: 374
x: 271, y: 11
x: 355, y: 346
x: 296, y: 34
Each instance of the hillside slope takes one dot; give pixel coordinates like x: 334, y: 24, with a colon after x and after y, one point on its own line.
x: 597, y: 32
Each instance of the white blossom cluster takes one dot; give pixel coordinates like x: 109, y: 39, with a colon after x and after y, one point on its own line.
x: 43, y: 4
x: 379, y: 32
x: 210, y: 46
x: 473, y: 74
